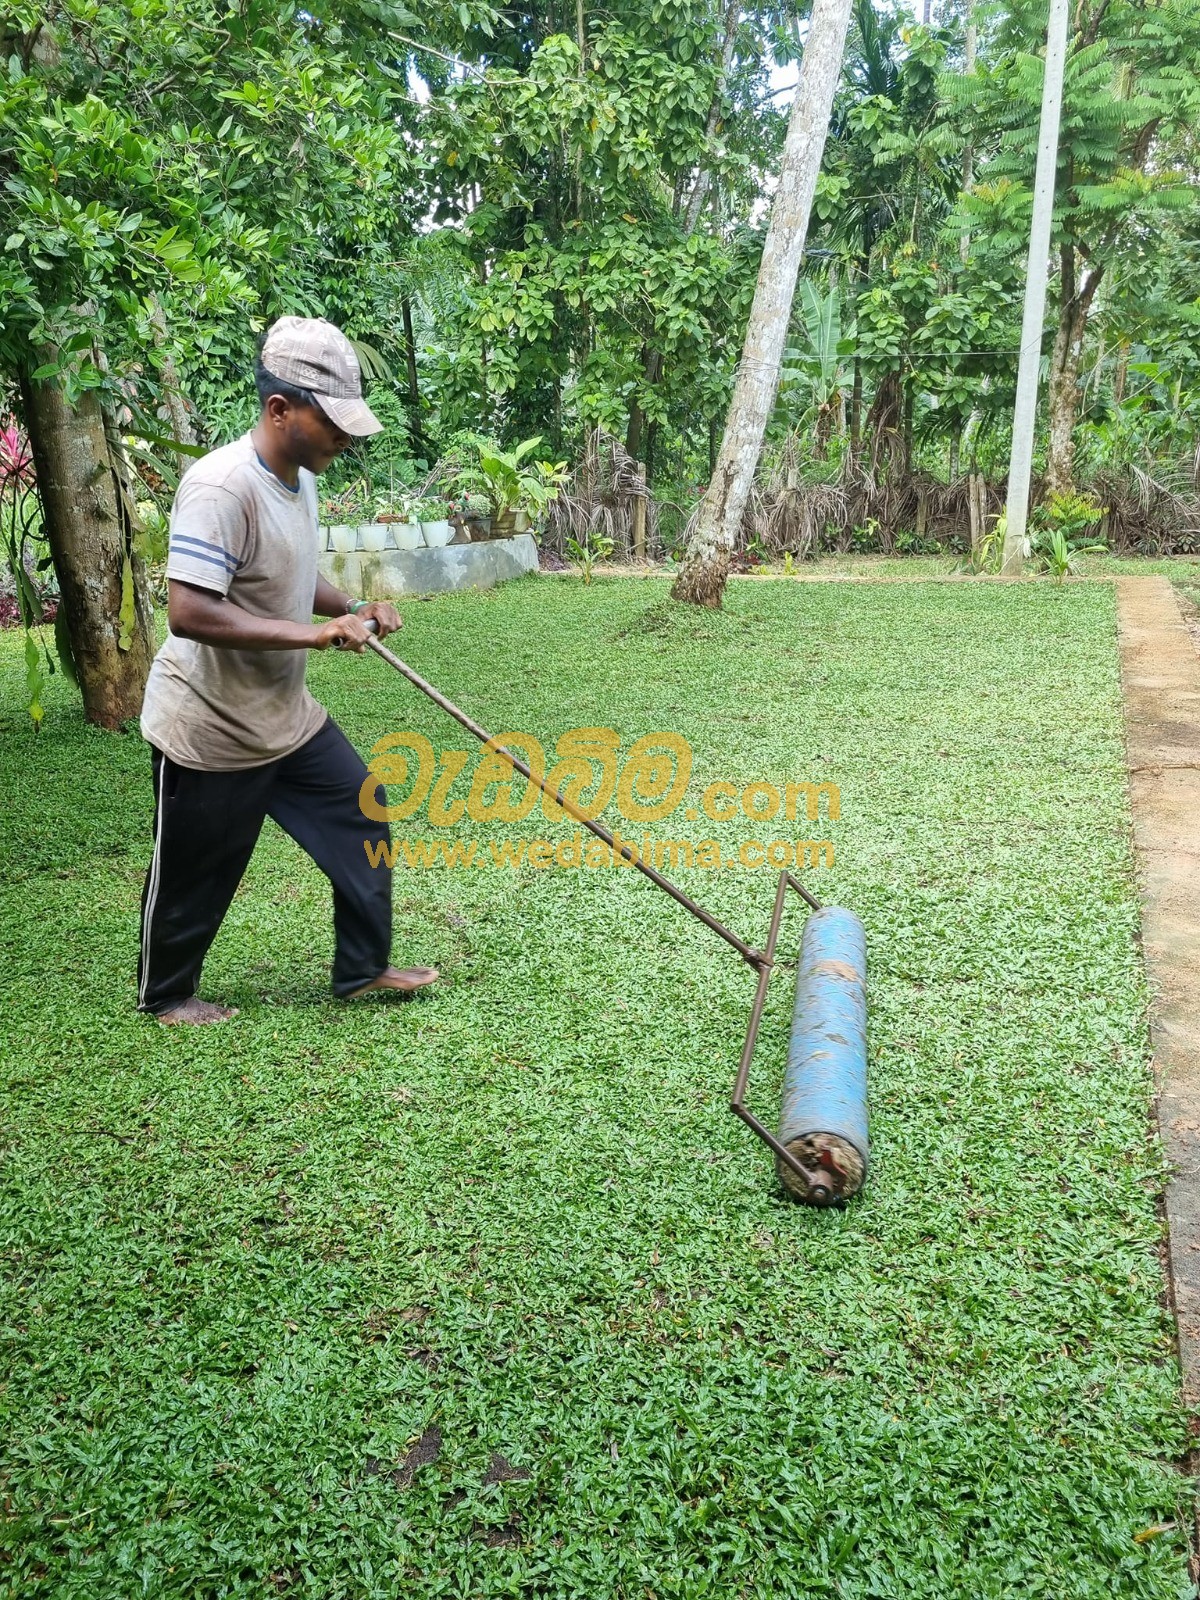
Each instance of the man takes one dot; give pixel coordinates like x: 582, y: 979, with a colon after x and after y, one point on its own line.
x: 236, y: 735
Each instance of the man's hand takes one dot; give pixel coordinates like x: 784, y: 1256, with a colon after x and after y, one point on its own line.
x: 383, y: 614
x: 347, y: 633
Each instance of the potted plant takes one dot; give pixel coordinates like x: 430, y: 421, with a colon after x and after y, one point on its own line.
x: 373, y: 535
x: 541, y: 487
x: 515, y: 485
x: 435, y: 524
x: 406, y: 529
x: 341, y: 514
x: 389, y: 525
x: 473, y: 514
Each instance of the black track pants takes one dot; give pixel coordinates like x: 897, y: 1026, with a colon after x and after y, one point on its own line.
x: 206, y: 825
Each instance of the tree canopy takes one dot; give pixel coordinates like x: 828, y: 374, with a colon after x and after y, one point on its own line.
x: 544, y: 221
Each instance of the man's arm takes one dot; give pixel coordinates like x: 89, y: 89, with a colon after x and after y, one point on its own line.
x: 209, y: 618
x: 331, y: 602
x: 328, y: 601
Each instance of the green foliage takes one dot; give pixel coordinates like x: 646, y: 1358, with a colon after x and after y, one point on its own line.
x: 509, y: 479
x: 153, y: 530
x: 572, y: 228
x: 594, y: 546
x: 182, y: 179
x: 1058, y: 556
x: 429, y: 508
x: 1059, y: 524
x: 1067, y: 513
x: 347, y: 506
x: 578, y: 244
x: 988, y: 553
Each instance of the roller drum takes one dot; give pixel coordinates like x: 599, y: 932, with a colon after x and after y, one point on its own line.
x: 823, y: 1121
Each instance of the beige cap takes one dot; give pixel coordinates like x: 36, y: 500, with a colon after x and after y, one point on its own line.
x: 314, y: 355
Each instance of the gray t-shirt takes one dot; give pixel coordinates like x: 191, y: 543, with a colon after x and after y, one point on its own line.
x: 236, y: 529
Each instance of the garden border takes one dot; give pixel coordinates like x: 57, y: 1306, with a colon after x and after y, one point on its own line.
x: 1160, y: 674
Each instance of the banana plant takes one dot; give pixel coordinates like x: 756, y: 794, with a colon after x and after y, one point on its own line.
x: 814, y: 374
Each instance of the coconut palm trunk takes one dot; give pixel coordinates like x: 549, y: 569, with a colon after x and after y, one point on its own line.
x: 706, y: 564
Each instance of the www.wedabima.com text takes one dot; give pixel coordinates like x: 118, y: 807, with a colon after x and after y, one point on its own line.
x: 580, y: 851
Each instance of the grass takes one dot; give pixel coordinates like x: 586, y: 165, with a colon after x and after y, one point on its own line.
x: 488, y: 1295
x: 1183, y: 570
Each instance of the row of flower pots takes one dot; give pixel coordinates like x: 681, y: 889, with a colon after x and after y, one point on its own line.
x: 375, y: 536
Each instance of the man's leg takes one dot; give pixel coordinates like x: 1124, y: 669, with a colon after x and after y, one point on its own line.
x: 206, y: 825
x: 315, y: 798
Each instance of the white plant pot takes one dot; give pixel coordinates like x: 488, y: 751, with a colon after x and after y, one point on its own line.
x: 341, y: 538
x: 437, y: 534
x: 520, y: 522
x: 407, y: 535
x: 372, y: 536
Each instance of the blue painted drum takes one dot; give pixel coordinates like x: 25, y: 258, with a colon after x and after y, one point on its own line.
x: 823, y: 1121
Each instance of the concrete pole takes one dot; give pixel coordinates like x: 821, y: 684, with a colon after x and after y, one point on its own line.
x: 1020, y: 466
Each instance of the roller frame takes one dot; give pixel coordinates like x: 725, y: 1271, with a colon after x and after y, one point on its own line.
x: 762, y: 960
x: 819, y: 1192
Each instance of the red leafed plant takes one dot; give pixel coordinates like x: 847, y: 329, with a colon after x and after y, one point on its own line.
x: 16, y: 459
x: 18, y: 513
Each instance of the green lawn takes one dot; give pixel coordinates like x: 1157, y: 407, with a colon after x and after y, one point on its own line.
x: 258, y: 1274
x: 1182, y: 570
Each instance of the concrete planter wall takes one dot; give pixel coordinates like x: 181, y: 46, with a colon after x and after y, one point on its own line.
x: 385, y: 574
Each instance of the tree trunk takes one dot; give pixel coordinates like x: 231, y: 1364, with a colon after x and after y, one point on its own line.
x: 83, y: 481
x: 651, y: 372
x: 1120, y: 376
x: 976, y: 503
x: 652, y: 359
x: 705, y: 567
x: 1063, y: 388
x: 856, y: 400
x: 823, y: 430
x: 633, y: 433
x: 410, y: 361
x: 970, y: 47
x: 975, y: 484
x: 181, y: 423
x: 703, y: 183
x: 581, y: 44
x: 885, y: 425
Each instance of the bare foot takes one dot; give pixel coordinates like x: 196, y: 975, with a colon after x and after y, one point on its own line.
x: 196, y: 1013
x: 405, y: 981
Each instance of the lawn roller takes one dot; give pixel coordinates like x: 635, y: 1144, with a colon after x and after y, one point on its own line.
x: 821, y: 1147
